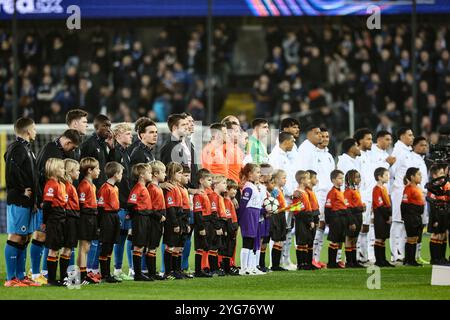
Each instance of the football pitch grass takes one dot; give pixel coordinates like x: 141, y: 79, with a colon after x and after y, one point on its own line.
x: 396, y: 283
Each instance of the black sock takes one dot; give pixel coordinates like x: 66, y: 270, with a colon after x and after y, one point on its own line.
x: 309, y: 255
x: 299, y: 255
x: 137, y: 263
x: 167, y: 262
x: 226, y: 264
x: 52, y: 265
x: 276, y: 257
x: 179, y: 259
x: 83, y: 273
x: 174, y: 261
x: 354, y: 259
x: 198, y: 262
x: 332, y: 253
x: 213, y: 262
x: 407, y: 253
x: 103, y: 261
x: 108, y: 266
x: 151, y: 264
x: 435, y: 250
x: 63, y: 265
x: 413, y: 252
x: 444, y: 249
x: 348, y: 256
x: 262, y: 259
x: 378, y: 256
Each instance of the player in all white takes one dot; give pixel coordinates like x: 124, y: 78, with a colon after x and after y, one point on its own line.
x: 420, y: 149
x: 346, y: 162
x: 366, y: 169
x: 307, y: 151
x: 402, y: 152
x: 350, y: 151
x: 378, y: 154
x: 325, y: 165
x: 279, y: 160
x: 306, y: 159
x: 379, y: 157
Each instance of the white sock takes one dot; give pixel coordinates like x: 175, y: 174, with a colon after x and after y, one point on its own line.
x: 363, y: 246
x: 35, y: 276
x: 317, y: 246
x: 244, y: 258
x: 88, y: 270
x: 402, y: 240
x: 393, y: 240
x: 270, y: 252
x: 250, y: 259
x: 258, y: 254
x: 370, y: 247
x: 339, y: 255
x: 287, y: 248
x: 418, y: 249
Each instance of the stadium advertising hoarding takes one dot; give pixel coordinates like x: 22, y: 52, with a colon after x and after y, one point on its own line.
x: 57, y: 9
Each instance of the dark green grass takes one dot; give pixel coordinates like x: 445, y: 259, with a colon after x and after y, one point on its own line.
x: 396, y: 283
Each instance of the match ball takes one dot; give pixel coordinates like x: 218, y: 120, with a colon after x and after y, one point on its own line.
x: 271, y: 204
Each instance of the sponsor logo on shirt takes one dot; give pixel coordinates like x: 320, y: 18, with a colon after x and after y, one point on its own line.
x: 170, y: 200
x: 198, y: 205
x: 50, y: 192
x: 133, y: 197
x: 405, y: 197
x: 328, y: 202
x: 100, y: 200
x: 380, y: 200
x: 82, y: 196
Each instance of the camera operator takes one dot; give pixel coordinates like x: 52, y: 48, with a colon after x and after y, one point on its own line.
x: 438, y: 198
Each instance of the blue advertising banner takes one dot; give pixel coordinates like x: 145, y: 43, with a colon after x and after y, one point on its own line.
x: 60, y: 9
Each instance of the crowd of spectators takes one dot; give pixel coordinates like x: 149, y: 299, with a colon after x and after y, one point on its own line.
x: 118, y: 74
x: 307, y: 71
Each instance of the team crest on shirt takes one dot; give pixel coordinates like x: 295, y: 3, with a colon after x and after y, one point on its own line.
x: 134, y: 197
x: 328, y: 202
x: 228, y: 212
x: 213, y: 206
x: 82, y: 196
x: 346, y: 202
x: 246, y: 196
x: 66, y: 198
x: 100, y: 200
x: 170, y: 200
x: 380, y: 200
x: 405, y: 197
x: 50, y: 192
x: 198, y: 205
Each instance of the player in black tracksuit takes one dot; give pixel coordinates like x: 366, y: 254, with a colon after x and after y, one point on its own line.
x: 59, y: 149
x: 96, y: 147
x: 21, y: 185
x: 141, y: 154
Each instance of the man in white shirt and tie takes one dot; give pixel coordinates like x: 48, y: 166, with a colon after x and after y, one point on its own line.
x: 325, y: 165
x: 403, y: 153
